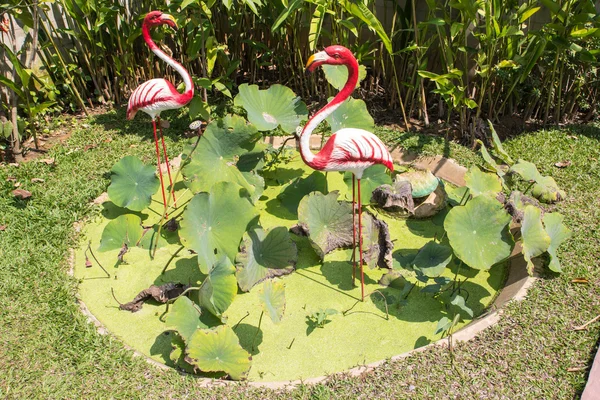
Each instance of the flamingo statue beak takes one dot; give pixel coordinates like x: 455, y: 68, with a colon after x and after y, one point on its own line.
x: 169, y: 20
x: 316, y: 60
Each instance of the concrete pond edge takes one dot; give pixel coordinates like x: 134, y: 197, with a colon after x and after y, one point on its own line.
x: 517, y: 283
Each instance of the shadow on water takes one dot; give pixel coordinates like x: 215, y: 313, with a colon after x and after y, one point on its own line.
x: 339, y: 273
x: 421, y: 341
x: 185, y: 271
x: 111, y: 211
x: 250, y: 337
x: 162, y: 347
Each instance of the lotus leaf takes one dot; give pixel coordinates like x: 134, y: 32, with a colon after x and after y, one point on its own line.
x: 148, y: 239
x: 393, y: 279
x: 445, y: 324
x: 184, y: 318
x: 214, y: 160
x: 276, y: 106
x: 398, y: 196
x: 218, y: 349
x: 535, y: 238
x: 132, y: 184
x: 480, y: 182
x: 124, y: 230
x: 265, y: 254
x: 177, y: 354
x: 422, y: 182
x: 490, y: 163
x: 219, y: 288
x: 459, y: 301
x: 372, y: 178
x: 526, y: 170
x: 432, y: 259
x: 337, y: 75
x: 291, y: 195
x: 457, y: 195
x: 547, y: 190
x: 377, y: 244
x: 254, y: 179
x: 498, y: 148
x: 327, y: 221
x: 351, y: 114
x: 440, y: 282
x: 213, y: 223
x: 558, y: 233
x: 478, y: 232
x: 272, y: 299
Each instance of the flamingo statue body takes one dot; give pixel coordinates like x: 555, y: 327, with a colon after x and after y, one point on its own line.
x: 348, y: 149
x: 157, y: 95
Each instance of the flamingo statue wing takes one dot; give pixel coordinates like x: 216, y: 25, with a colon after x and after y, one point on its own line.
x: 153, y: 97
x: 354, y: 150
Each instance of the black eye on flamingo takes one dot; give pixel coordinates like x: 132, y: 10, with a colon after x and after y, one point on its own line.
x: 348, y: 149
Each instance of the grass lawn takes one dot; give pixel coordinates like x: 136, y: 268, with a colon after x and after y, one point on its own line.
x: 49, y: 350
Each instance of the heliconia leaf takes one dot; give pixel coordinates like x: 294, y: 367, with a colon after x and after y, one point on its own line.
x: 132, y: 184
x: 218, y: 349
x: 535, y: 238
x: 272, y: 299
x: 478, y: 232
x: 352, y: 113
x: 213, y: 223
x: 276, y: 106
x: 124, y: 230
x: 480, y: 182
x: 432, y: 259
x: 291, y: 9
x: 265, y: 254
x: 422, y: 182
x: 372, y: 178
x: 184, y: 318
x: 558, y: 233
x: 328, y: 222
x: 219, y: 288
x: 362, y: 12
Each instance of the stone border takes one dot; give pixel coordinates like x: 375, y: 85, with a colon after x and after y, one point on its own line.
x: 516, y: 287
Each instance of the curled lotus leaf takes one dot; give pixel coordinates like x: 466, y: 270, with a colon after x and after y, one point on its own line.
x: 327, y: 221
x: 498, y: 148
x: 534, y: 236
x: 489, y: 162
x: 422, y: 182
x: 184, y: 318
x: 352, y: 113
x: 545, y: 187
x: 393, y: 279
x: 377, y: 243
x: 478, y: 232
x: 480, y: 182
x: 219, y: 288
x: 214, y: 160
x: 337, y: 75
x: 213, y: 223
x: 132, y: 184
x: 398, y: 196
x: 372, y: 178
x: 177, y: 354
x: 265, y: 254
x: 124, y: 230
x: 432, y: 259
x: 218, y: 349
x: 276, y: 106
x: 272, y: 299
x: 558, y: 233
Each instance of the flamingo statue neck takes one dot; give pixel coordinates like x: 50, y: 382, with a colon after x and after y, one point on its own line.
x: 187, y: 79
x: 318, y: 59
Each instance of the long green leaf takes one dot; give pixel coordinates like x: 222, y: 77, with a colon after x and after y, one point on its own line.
x: 294, y: 5
x: 362, y: 12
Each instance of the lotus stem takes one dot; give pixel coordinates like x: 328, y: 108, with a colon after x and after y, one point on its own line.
x: 257, y: 329
x: 89, y: 248
x: 171, y: 259
x: 175, y: 298
x: 241, y: 319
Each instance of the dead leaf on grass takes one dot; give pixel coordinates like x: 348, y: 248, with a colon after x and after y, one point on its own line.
x: 2, y: 228
x: 18, y: 184
x: 37, y: 180
x: 108, y: 140
x: 48, y: 161
x: 21, y: 194
x: 563, y: 164
x: 13, y: 164
x: 132, y: 146
x: 11, y: 179
x: 579, y: 280
x: 89, y: 146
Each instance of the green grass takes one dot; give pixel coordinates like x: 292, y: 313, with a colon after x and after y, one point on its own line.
x: 49, y: 350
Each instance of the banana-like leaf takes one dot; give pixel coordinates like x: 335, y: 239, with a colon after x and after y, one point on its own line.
x: 132, y: 184
x: 362, y: 12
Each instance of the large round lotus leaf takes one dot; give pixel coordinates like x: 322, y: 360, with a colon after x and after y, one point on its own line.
x: 432, y: 259
x: 265, y: 254
x: 214, y: 159
x: 272, y: 299
x: 351, y: 114
x: 478, y: 232
x: 534, y: 236
x: 219, y: 288
x: 337, y: 75
x: 132, y: 184
x: 422, y: 182
x: 291, y: 194
x: 125, y: 229
x: 526, y: 170
x: 257, y: 181
x: 184, y: 318
x: 547, y: 190
x: 456, y: 195
x: 212, y: 350
x: 276, y: 106
x: 372, y: 178
x: 327, y: 221
x: 558, y: 233
x: 213, y: 223
x: 480, y: 182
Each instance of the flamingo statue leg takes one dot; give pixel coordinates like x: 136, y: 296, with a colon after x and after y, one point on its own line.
x: 160, y: 174
x: 162, y: 138
x: 353, y: 231
x: 360, y: 245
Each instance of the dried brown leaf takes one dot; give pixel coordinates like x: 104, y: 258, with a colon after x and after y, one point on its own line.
x: 579, y: 280
x: 563, y: 164
x: 48, y: 161
x: 2, y: 228
x: 21, y: 194
x: 37, y: 180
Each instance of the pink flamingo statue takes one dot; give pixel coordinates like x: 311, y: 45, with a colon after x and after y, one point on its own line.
x: 348, y: 149
x: 157, y: 95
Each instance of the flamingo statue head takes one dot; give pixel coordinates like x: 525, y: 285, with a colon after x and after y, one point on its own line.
x: 332, y: 55
x: 155, y: 18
